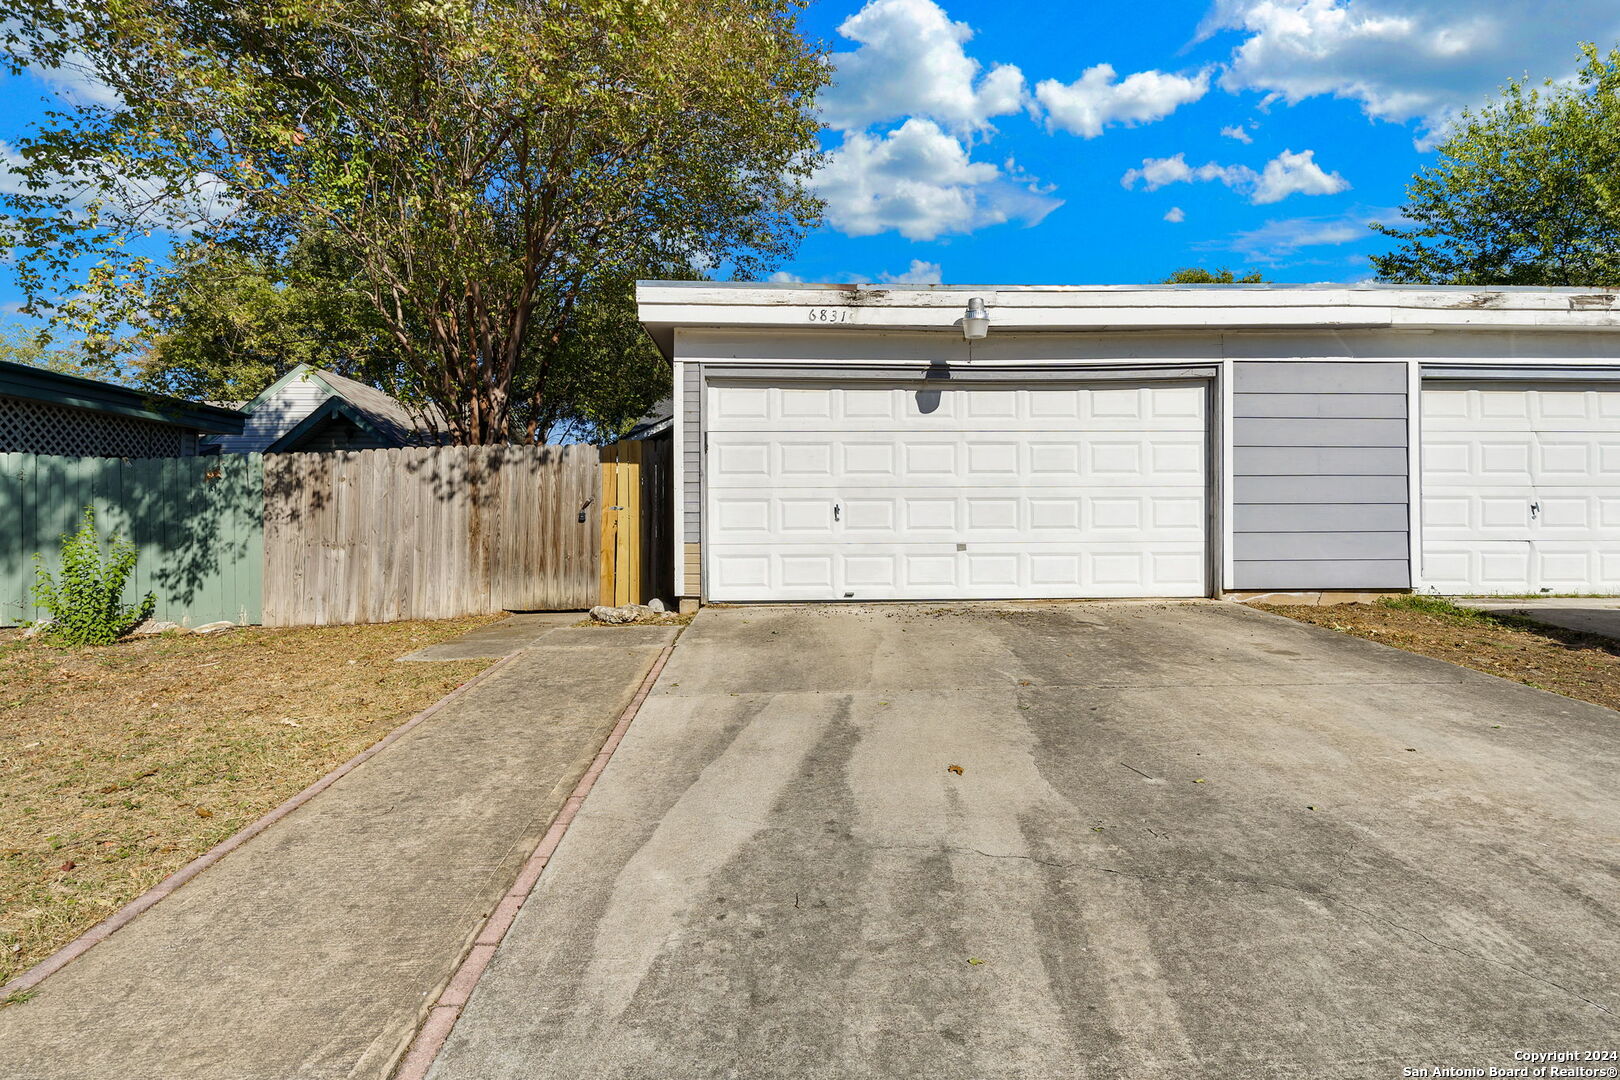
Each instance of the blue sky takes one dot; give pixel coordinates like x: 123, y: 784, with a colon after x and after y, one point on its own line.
x: 949, y: 165
x: 1049, y: 142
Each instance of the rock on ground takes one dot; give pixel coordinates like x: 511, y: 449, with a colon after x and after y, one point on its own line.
x: 629, y: 613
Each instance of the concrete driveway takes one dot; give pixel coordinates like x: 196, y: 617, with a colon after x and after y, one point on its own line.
x: 1187, y: 840
x: 1598, y: 615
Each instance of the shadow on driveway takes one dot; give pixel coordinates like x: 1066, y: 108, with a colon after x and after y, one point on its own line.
x: 1187, y: 840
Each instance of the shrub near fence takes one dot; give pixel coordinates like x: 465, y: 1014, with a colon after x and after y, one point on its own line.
x: 351, y: 536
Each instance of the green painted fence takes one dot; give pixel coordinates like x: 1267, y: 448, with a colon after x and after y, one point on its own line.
x: 197, y: 524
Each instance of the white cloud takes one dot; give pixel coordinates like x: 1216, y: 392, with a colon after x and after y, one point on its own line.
x: 1404, y: 59
x: 1156, y: 173
x: 1296, y: 174
x: 782, y: 277
x: 1280, y: 239
x: 1175, y: 215
x: 1286, y: 174
x: 75, y: 81
x: 911, y: 63
x: 919, y: 181
x: 1093, y: 101
x: 12, y: 182
x: 1236, y: 132
x: 918, y: 273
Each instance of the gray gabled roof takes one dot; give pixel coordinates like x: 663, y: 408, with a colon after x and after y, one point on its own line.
x: 386, y: 415
x: 659, y: 419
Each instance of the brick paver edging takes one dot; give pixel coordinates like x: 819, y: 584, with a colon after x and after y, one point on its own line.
x: 127, y: 914
x: 442, y: 1017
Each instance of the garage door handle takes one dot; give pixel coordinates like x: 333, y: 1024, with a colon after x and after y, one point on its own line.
x: 837, y: 511
x: 1535, y: 509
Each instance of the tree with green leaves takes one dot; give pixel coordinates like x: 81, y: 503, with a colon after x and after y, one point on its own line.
x: 483, y: 169
x: 21, y: 343
x: 1526, y: 191
x: 1197, y: 275
x: 223, y: 324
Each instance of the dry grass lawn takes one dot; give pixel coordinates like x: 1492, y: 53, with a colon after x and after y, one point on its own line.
x: 120, y: 764
x: 1548, y: 658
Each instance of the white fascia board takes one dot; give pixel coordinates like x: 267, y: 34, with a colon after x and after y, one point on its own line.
x: 1039, y: 308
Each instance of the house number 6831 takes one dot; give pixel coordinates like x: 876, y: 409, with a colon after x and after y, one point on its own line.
x: 827, y: 314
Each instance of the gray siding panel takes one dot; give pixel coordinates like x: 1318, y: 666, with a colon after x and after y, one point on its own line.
x: 1318, y: 377
x: 1310, y: 406
x: 691, y: 406
x: 1319, y: 461
x: 1341, y: 431
x: 1335, y: 574
x: 1276, y: 546
x: 1307, y: 490
x: 1319, y: 518
x: 1320, y: 485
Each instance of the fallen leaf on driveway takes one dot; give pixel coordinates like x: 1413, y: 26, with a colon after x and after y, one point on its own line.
x: 957, y: 769
x: 974, y: 960
x: 1200, y: 780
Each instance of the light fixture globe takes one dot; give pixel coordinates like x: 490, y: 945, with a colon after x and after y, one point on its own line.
x: 975, y: 321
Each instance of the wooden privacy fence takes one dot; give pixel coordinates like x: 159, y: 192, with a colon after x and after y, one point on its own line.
x: 356, y: 536
x: 428, y: 533
x: 196, y: 522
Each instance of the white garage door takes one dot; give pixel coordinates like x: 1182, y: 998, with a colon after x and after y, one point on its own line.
x: 990, y: 492
x: 1521, y: 489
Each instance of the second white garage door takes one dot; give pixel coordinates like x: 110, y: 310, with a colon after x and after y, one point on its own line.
x: 1521, y: 489
x: 817, y: 492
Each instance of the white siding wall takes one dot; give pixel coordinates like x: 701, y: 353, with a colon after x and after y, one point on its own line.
x: 275, y: 416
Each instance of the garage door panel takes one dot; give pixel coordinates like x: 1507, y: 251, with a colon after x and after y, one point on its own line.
x: 1565, y: 567
x: 1514, y: 408
x: 935, y: 571
x: 943, y: 407
x: 1521, y: 488
x: 1477, y: 566
x: 975, y: 492
x: 877, y: 516
x: 1052, y: 459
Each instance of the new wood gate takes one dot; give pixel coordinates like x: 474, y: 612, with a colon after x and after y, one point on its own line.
x: 637, y: 560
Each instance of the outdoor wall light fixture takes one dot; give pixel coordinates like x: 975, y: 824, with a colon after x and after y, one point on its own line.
x: 975, y: 321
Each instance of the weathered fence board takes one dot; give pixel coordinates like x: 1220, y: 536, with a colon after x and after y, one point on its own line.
x: 428, y: 533
x: 196, y: 523
x: 353, y: 536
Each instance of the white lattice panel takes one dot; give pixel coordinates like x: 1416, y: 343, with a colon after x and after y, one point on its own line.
x: 34, y: 427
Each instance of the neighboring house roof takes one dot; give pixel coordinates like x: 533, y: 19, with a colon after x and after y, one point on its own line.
x: 333, y: 408
x: 295, y: 406
x: 659, y: 419
x: 76, y: 392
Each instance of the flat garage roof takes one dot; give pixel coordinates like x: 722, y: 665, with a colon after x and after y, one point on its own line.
x: 666, y: 305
